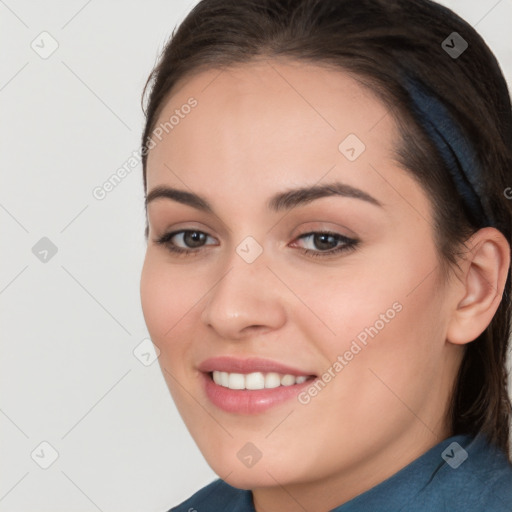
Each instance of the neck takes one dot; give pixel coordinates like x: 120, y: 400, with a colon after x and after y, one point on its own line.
x: 325, y: 494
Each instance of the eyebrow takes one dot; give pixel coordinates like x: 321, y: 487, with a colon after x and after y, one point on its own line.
x: 282, y: 201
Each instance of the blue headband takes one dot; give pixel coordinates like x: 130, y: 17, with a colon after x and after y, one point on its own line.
x: 455, y: 150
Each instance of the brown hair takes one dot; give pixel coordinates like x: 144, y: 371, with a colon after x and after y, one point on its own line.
x: 375, y: 41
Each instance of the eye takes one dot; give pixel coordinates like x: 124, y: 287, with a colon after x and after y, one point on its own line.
x: 192, y: 239
x: 326, y: 243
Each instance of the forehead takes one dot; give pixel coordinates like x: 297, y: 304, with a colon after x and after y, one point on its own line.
x: 267, y: 119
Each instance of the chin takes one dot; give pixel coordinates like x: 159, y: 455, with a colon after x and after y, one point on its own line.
x: 268, y: 471
x: 252, y: 478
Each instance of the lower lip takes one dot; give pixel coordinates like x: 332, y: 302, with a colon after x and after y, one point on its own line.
x: 250, y: 401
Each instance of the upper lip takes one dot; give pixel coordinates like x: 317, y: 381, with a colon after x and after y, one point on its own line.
x: 249, y: 365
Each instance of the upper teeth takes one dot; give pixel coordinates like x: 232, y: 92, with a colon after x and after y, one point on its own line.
x: 256, y: 380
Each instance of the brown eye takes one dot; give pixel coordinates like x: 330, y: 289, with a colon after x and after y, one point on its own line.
x: 187, y: 238
x: 327, y: 244
x: 194, y: 238
x: 324, y: 241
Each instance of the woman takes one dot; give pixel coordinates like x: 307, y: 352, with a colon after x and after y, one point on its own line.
x: 327, y: 274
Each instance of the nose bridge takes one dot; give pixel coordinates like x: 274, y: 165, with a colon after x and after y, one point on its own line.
x: 246, y: 295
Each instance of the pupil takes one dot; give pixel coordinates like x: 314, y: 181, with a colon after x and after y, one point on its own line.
x: 194, y: 238
x: 324, y: 244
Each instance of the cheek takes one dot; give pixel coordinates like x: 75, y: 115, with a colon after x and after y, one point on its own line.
x: 381, y: 314
x: 156, y: 298
x: 335, y: 305
x: 390, y: 335
x: 168, y: 297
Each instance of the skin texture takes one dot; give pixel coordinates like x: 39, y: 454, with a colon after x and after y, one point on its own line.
x: 263, y: 128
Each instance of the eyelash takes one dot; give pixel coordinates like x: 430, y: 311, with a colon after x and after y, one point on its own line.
x: 350, y: 244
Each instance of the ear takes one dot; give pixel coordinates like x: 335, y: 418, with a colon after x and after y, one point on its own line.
x: 479, y: 289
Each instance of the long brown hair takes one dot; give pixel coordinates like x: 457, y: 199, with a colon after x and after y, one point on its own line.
x: 376, y: 40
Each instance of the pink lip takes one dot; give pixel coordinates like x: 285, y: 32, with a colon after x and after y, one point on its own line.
x: 252, y: 364
x: 245, y: 401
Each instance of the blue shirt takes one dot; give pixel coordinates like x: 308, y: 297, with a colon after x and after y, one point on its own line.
x: 462, y: 473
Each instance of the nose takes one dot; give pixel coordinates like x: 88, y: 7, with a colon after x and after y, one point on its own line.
x: 246, y: 300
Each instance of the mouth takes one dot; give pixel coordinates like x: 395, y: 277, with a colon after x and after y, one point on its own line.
x: 256, y: 380
x: 251, y: 386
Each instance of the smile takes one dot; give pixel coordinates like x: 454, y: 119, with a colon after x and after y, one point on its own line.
x: 256, y: 380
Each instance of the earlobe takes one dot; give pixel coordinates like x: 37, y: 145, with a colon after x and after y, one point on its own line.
x: 485, y: 267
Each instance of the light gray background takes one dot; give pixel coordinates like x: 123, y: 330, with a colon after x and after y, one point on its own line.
x: 68, y: 373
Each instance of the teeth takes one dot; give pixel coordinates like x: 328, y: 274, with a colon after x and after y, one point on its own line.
x: 272, y: 380
x: 287, y: 380
x: 236, y: 381
x: 256, y: 380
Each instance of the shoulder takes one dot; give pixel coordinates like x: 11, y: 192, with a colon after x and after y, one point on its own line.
x: 483, y: 481
x: 216, y: 497
x: 491, y: 479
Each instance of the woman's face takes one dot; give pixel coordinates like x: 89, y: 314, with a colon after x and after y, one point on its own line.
x: 361, y: 331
